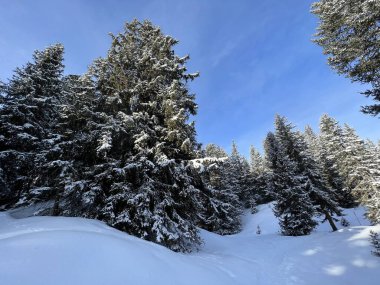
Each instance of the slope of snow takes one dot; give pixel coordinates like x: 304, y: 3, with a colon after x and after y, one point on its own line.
x: 58, y: 250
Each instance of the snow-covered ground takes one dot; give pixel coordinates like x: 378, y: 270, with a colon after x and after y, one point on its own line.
x: 57, y: 250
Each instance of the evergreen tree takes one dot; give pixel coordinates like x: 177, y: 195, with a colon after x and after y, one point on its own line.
x: 223, y: 207
x: 237, y: 176
x: 257, y: 163
x: 308, y: 170
x: 134, y: 140
x: 27, y: 119
x: 303, y: 172
x: 360, y: 169
x: 213, y: 150
x: 292, y: 204
x: 260, y: 179
x: 350, y: 165
x: 353, y: 153
x: 367, y: 190
x: 312, y: 142
x: 348, y: 32
x: 331, y: 155
x: 80, y: 126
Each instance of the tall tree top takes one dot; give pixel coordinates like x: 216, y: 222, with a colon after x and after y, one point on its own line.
x: 142, y: 78
x: 213, y: 150
x: 257, y: 161
x: 42, y: 77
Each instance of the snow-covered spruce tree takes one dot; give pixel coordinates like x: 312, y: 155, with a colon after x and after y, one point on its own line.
x: 213, y: 166
x: 350, y: 165
x: 213, y: 150
x: 348, y: 32
x: 134, y: 175
x: 308, y: 171
x: 27, y: 119
x: 257, y: 162
x: 222, y: 205
x: 64, y: 159
x: 261, y: 191
x: 331, y: 157
x: 237, y: 176
x: 80, y: 125
x: 362, y: 172
x: 368, y: 191
x: 353, y: 153
x: 312, y: 141
x: 360, y: 167
x: 292, y: 206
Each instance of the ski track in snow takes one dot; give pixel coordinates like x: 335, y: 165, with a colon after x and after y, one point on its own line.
x: 59, y: 250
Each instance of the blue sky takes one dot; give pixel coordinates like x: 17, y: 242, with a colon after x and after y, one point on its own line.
x: 256, y: 58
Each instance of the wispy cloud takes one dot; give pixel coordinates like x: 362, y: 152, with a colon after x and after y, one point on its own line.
x: 224, y: 52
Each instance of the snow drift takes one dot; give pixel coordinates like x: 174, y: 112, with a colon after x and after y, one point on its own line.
x: 58, y: 250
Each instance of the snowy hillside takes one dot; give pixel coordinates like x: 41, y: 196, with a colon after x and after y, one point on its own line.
x: 57, y: 250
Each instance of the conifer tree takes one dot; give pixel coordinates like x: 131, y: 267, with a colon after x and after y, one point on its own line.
x: 350, y: 165
x: 348, y: 32
x: 306, y: 170
x: 312, y: 142
x: 222, y: 205
x: 353, y: 154
x: 31, y: 108
x: 237, y: 176
x: 331, y: 155
x: 213, y: 150
x: 367, y: 188
x: 257, y: 164
x: 260, y: 180
x: 292, y: 204
x: 134, y: 173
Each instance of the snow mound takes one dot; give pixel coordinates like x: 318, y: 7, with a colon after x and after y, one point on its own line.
x: 58, y: 250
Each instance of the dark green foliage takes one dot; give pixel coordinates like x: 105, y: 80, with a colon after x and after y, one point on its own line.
x: 31, y: 107
x: 133, y: 172
x: 375, y: 241
x: 300, y: 192
x: 213, y: 150
x: 261, y: 191
x: 111, y: 144
x: 117, y: 144
x: 292, y: 204
x: 332, y: 160
x: 320, y: 194
x: 222, y: 204
x: 351, y: 44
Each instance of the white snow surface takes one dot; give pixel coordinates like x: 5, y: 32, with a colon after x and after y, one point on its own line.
x: 59, y: 250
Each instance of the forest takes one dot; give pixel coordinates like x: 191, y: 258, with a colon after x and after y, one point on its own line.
x: 118, y: 144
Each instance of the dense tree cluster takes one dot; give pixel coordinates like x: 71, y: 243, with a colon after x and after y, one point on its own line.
x: 117, y: 144
x: 113, y: 144
x: 299, y: 187
x: 316, y: 175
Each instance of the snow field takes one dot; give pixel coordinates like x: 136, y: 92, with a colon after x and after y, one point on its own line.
x: 59, y: 250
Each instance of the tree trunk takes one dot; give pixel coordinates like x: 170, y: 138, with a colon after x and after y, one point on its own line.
x: 331, y: 221
x: 55, y: 211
